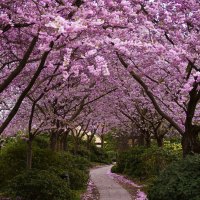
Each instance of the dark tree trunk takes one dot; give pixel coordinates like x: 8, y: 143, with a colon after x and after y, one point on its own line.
x: 58, y: 143
x: 148, y: 142
x: 159, y: 140
x: 190, y: 142
x: 76, y: 146
x: 90, y: 139
x: 53, y: 141
x: 64, y: 141
x: 89, y: 143
x: 102, y: 141
x: 141, y: 140
x: 147, y: 137
x: 190, y: 139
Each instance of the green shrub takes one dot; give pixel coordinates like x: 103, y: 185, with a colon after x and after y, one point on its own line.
x: 78, y: 179
x: 69, y: 162
x: 181, y: 180
x: 81, y: 151
x: 112, y: 155
x: 114, y: 169
x: 129, y: 162
x: 13, y: 162
x: 42, y: 141
x: 39, y: 185
x: 65, y: 163
x: 43, y: 158
x: 99, y: 155
x: 81, y: 163
x: 146, y: 163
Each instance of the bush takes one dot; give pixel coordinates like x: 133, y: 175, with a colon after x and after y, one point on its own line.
x: 114, y: 169
x: 78, y: 179
x: 122, y: 159
x: 99, y: 155
x: 146, y: 163
x: 63, y: 163
x: 39, y: 185
x: 81, y: 151
x: 112, y: 155
x: 42, y: 141
x: 43, y: 158
x: 13, y: 162
x: 81, y: 163
x: 181, y: 180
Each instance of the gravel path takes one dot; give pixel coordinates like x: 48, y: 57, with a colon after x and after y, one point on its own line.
x: 107, y: 187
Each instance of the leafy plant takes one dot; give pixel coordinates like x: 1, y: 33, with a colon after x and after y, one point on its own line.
x: 39, y: 185
x: 146, y: 163
x: 181, y: 180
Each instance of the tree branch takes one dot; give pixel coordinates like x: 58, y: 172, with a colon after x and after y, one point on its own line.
x: 20, y: 67
x: 151, y: 97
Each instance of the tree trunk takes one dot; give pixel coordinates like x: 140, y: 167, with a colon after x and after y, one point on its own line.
x: 190, y: 139
x: 64, y: 141
x: 88, y: 145
x: 159, y: 141
x: 88, y: 142
x: 90, y: 139
x: 29, y: 154
x: 190, y: 143
x: 53, y: 141
x: 147, y: 137
x: 148, y: 141
x: 141, y: 140
x: 102, y: 141
x: 76, y: 145
x: 58, y: 143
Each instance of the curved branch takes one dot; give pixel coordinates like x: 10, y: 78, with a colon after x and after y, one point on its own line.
x: 151, y: 97
x: 26, y: 90
x: 20, y: 67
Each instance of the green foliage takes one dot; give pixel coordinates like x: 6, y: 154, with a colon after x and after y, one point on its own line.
x: 39, y: 185
x: 78, y: 179
x: 181, y: 180
x: 146, y: 163
x: 112, y: 155
x: 13, y: 167
x: 81, y: 163
x: 52, y: 164
x: 114, y: 169
x: 91, y: 152
x: 43, y: 158
x: 12, y: 161
x: 42, y: 141
x: 81, y: 151
x: 99, y: 155
x: 111, y: 142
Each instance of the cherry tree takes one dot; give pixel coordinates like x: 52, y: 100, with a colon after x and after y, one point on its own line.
x: 152, y: 43
x: 155, y: 41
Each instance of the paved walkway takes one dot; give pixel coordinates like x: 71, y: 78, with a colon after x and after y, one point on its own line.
x: 108, y: 188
